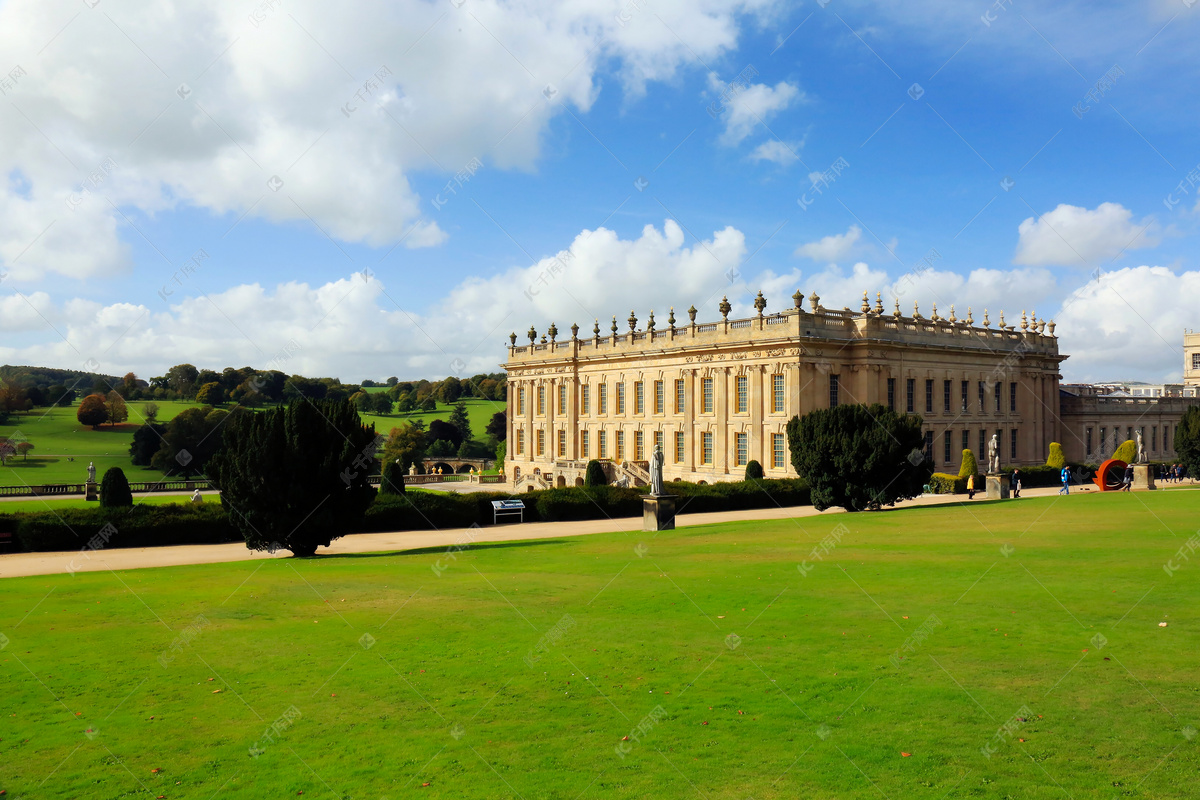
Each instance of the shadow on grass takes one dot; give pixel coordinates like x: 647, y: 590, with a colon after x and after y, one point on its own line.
x: 421, y: 551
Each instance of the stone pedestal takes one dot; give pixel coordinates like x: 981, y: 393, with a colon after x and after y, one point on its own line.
x: 90, y: 491
x: 658, y: 512
x: 1143, y: 477
x: 997, y: 487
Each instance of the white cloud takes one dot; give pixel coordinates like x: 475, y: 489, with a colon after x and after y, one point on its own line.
x: 782, y: 153
x: 748, y: 106
x: 201, y: 104
x: 1074, y: 236
x: 1129, y: 324
x: 831, y: 248
x: 354, y: 328
x: 22, y: 313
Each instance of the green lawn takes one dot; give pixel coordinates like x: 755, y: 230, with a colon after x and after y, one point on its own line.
x: 57, y: 436
x: 518, y: 669
x: 479, y: 414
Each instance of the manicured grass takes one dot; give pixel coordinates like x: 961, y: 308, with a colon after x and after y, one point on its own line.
x: 57, y: 435
x: 479, y: 414
x: 768, y: 683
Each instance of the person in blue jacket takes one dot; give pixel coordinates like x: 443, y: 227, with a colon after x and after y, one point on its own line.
x: 1066, y: 481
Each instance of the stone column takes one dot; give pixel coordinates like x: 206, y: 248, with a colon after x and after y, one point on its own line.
x: 721, y: 455
x: 757, y: 400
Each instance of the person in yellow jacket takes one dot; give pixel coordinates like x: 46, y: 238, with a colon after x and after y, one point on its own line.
x: 970, y: 487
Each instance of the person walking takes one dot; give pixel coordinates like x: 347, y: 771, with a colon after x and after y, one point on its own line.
x: 970, y: 487
x: 1016, y: 483
x: 1066, y: 481
x: 1127, y: 484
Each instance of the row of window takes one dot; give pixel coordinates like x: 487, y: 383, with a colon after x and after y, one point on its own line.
x: 910, y: 398
x: 949, y: 456
x: 741, y: 446
x: 741, y: 396
x: 1105, y: 447
x: 659, y: 397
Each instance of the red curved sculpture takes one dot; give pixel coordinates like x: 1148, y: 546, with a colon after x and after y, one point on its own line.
x: 1111, y: 475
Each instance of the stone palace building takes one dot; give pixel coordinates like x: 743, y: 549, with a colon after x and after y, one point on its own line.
x: 717, y: 395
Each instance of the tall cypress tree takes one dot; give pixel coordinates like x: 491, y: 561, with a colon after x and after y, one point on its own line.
x: 296, y: 477
x: 1187, y: 440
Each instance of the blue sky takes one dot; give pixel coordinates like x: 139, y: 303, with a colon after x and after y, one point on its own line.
x: 965, y: 131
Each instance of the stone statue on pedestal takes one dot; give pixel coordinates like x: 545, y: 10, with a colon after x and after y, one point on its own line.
x: 412, y: 469
x: 993, y: 455
x: 92, y: 471
x: 656, y: 471
x: 1141, y: 454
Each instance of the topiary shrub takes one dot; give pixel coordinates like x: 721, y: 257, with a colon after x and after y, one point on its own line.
x: 1056, y: 458
x: 945, y: 483
x: 754, y: 471
x: 594, y: 476
x: 1127, y: 452
x: 858, y: 457
x: 391, y: 481
x: 969, y: 466
x: 114, y: 490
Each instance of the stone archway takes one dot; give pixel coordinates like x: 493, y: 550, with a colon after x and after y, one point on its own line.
x: 579, y: 481
x: 560, y: 482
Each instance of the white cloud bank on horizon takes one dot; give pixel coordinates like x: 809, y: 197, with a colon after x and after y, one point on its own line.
x: 199, y: 104
x: 354, y: 327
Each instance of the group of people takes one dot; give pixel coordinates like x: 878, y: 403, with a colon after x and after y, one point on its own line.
x: 1172, y: 474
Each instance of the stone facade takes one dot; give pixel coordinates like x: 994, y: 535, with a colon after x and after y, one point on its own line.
x: 1092, y: 427
x: 1191, y: 358
x: 717, y: 395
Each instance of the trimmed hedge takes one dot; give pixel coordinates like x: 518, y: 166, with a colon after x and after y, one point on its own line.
x: 141, y: 526
x: 1044, y: 475
x: 145, y: 526
x: 944, y: 483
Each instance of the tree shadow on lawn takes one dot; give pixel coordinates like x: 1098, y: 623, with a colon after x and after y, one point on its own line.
x: 421, y: 551
x: 963, y: 504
